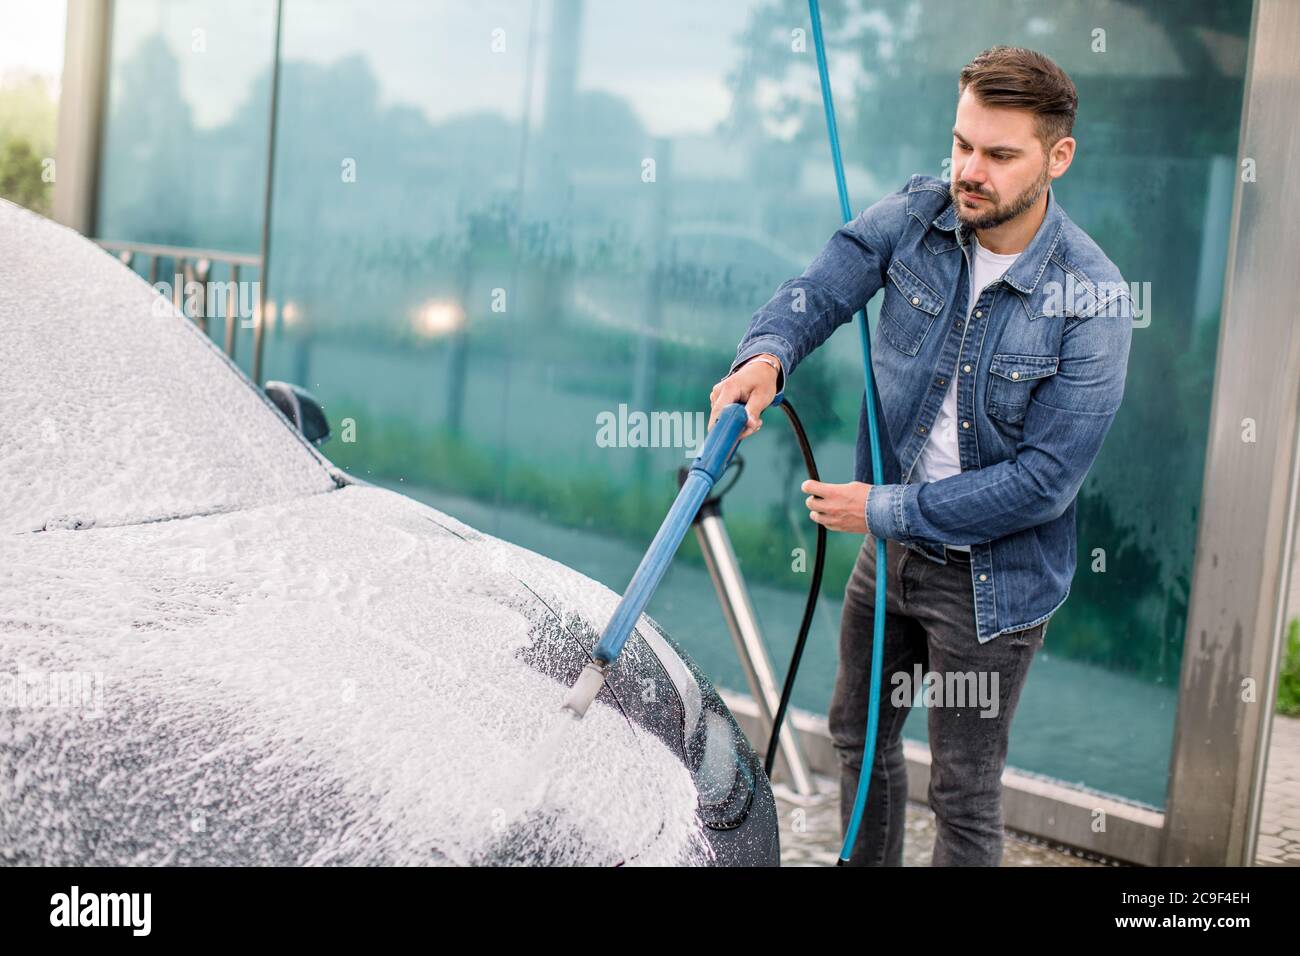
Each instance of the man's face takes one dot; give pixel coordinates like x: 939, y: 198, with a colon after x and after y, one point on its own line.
x: 999, y: 166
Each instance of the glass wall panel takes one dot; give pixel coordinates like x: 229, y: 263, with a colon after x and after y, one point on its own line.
x: 504, y: 230
x: 184, y: 151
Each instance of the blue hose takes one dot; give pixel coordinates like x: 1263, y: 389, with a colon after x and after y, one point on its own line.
x: 878, y: 640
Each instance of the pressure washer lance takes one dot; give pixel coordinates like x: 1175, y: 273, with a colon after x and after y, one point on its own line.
x: 719, y: 445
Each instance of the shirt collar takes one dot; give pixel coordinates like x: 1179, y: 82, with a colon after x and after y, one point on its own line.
x: 1026, y: 271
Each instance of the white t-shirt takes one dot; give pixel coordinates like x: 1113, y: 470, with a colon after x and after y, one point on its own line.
x: 939, y: 458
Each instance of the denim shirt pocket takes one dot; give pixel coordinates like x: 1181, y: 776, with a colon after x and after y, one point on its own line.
x: 908, y: 310
x: 1011, y: 379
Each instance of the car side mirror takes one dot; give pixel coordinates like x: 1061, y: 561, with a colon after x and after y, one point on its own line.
x: 302, y: 409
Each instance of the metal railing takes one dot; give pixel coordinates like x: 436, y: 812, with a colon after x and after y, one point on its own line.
x: 201, y: 266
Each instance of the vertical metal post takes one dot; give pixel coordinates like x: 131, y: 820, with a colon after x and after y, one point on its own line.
x: 202, y: 269
x: 178, y: 284
x: 82, y: 106
x: 232, y: 306
x: 1246, y: 530
x: 742, y: 622
x: 259, y: 326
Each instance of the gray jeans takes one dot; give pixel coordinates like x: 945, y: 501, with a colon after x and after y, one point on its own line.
x: 929, y: 627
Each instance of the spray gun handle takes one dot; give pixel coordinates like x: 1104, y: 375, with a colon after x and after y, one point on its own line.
x: 721, y: 442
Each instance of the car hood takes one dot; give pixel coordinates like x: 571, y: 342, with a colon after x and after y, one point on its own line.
x: 349, y: 677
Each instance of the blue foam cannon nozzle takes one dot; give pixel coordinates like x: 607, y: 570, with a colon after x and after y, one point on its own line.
x: 712, y: 461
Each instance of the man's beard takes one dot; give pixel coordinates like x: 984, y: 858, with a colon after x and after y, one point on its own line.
x: 998, y: 213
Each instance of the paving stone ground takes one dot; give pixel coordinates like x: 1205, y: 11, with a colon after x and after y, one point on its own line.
x: 810, y: 827
x: 812, y: 837
x: 1279, y: 828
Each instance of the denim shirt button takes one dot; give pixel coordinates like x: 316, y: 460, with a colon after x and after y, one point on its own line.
x: 965, y: 368
x: 916, y: 300
x: 979, y: 314
x: 965, y: 424
x: 984, y: 577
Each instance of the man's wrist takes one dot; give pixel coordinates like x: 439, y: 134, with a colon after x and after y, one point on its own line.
x: 767, y: 358
x: 772, y: 358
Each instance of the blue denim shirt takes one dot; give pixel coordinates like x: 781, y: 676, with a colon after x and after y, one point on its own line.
x: 1042, y: 368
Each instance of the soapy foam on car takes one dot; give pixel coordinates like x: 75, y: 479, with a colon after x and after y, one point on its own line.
x: 117, y: 409
x: 341, y: 646
x: 304, y: 681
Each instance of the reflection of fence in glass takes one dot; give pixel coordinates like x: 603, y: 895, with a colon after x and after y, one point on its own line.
x: 196, y: 289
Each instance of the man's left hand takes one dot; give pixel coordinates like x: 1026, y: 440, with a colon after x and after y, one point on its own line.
x: 838, y: 507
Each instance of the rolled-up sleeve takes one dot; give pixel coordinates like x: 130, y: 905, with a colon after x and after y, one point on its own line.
x: 849, y: 270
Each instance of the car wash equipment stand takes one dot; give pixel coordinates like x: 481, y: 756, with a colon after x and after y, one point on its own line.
x: 738, y: 611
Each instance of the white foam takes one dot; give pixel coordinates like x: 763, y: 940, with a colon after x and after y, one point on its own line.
x: 110, y: 414
x: 291, y: 674
x: 341, y: 644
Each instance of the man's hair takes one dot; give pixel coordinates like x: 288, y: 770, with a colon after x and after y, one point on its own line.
x: 1015, y: 78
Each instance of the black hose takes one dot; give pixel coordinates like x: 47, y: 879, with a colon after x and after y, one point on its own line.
x: 814, y: 590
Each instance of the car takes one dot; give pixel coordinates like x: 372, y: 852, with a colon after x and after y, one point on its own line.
x: 217, y: 648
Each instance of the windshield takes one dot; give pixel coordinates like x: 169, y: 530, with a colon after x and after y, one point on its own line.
x: 115, y: 411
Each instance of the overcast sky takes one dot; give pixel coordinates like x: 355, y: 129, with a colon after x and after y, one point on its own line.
x: 668, y: 60
x: 32, y: 38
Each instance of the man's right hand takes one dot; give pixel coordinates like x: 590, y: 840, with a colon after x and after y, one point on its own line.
x: 754, y: 383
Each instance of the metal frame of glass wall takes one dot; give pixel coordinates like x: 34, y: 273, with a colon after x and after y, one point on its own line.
x: 1245, y: 538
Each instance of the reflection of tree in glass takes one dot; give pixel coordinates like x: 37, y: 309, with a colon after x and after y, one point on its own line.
x: 28, y: 115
